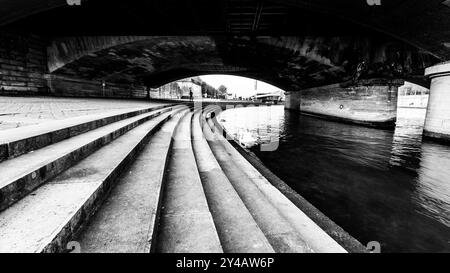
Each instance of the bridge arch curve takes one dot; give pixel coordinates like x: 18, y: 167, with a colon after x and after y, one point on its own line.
x: 292, y: 62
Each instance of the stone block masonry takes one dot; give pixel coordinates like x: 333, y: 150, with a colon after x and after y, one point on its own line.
x: 437, y: 121
x: 63, y: 86
x: 24, y: 72
x: 23, y: 62
x: 368, y: 102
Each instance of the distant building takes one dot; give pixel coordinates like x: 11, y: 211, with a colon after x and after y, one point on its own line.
x: 167, y: 91
x: 187, y: 85
x: 178, y: 89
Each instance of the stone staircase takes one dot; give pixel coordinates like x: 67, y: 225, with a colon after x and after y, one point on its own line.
x: 162, y: 179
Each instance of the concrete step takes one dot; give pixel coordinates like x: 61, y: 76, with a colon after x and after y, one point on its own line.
x: 186, y: 224
x: 16, y: 142
x: 21, y: 175
x: 281, y: 235
x: 128, y: 219
x: 238, y: 231
x: 316, y: 238
x: 49, y: 217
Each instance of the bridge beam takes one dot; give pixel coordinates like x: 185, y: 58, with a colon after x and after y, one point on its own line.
x: 437, y: 121
x: 371, y: 102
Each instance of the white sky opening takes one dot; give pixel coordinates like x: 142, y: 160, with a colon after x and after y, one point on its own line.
x: 239, y: 86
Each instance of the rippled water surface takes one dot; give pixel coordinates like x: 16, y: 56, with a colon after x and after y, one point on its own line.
x: 379, y: 185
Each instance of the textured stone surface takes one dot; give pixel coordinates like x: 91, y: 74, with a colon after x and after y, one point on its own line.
x: 437, y: 121
x: 313, y: 238
x: 50, y: 217
x: 127, y: 221
x: 238, y: 231
x: 128, y: 65
x: 186, y: 224
x: 23, y: 63
x: 77, y: 87
x: 59, y: 211
x: 278, y: 231
x: 372, y: 103
x: 23, y: 174
x: 21, y: 141
x: 290, y: 62
x: 18, y: 112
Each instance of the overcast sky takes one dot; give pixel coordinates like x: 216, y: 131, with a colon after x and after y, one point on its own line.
x: 240, y: 86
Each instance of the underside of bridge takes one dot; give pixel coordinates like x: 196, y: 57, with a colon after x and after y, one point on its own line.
x: 354, y: 53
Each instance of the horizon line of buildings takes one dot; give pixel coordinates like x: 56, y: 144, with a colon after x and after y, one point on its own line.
x: 181, y: 89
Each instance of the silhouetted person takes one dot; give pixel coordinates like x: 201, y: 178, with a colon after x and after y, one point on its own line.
x: 191, y: 95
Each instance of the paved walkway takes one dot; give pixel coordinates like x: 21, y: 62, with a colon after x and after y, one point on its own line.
x: 23, y: 111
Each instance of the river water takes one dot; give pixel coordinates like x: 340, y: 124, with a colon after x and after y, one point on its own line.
x: 378, y: 185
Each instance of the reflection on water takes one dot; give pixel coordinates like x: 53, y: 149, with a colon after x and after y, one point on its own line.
x: 378, y: 185
x: 261, y: 125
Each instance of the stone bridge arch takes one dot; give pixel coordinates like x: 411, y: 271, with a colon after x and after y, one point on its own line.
x: 292, y: 62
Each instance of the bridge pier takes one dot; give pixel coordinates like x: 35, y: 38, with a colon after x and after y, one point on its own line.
x: 292, y: 100
x: 437, y: 120
x: 371, y: 102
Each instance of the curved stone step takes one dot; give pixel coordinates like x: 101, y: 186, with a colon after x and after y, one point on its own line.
x: 309, y: 231
x: 186, y: 224
x: 16, y: 142
x: 21, y: 175
x: 238, y: 231
x: 281, y: 235
x: 45, y: 220
x: 128, y: 219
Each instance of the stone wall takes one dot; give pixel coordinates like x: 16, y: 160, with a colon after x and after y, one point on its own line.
x: 372, y: 102
x: 437, y: 121
x: 24, y: 72
x: 71, y: 87
x: 23, y: 62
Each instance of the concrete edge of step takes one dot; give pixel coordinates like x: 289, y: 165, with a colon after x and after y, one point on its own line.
x: 19, y: 187
x: 336, y: 232
x: 39, y: 136
x: 150, y: 246
x: 283, y: 235
x: 343, y: 238
x: 76, y: 222
x: 182, y: 152
x: 198, y: 140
